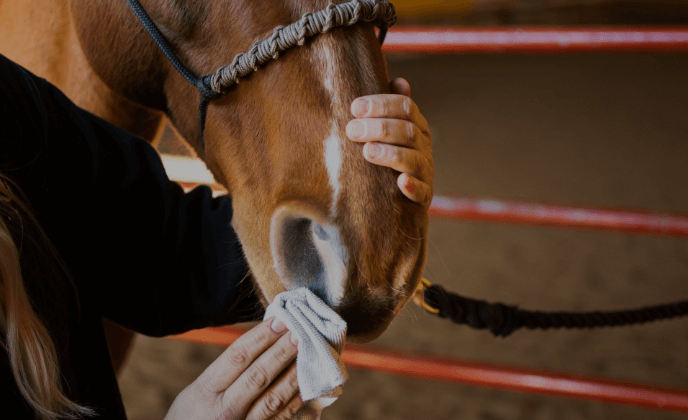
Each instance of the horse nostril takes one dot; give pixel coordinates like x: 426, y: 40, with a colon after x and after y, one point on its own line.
x: 307, y: 252
x: 299, y: 252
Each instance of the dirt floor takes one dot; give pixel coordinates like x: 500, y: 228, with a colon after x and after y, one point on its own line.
x: 599, y: 130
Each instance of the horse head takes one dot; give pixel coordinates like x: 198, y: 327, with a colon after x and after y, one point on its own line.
x: 308, y: 208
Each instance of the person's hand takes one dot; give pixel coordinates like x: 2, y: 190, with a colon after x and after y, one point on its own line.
x: 254, y: 379
x: 397, y: 136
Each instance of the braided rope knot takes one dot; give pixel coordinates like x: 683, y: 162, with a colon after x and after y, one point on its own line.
x: 379, y: 12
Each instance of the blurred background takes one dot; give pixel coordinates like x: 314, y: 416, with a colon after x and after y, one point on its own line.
x: 579, y: 129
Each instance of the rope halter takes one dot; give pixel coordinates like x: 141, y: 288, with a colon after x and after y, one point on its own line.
x: 379, y: 12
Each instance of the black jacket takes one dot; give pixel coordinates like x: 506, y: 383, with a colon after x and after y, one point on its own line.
x: 141, y: 252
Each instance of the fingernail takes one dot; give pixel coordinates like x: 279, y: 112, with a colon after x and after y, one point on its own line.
x: 355, y: 129
x: 361, y: 107
x: 373, y: 150
x: 278, y: 326
x: 410, y: 186
x: 294, y: 340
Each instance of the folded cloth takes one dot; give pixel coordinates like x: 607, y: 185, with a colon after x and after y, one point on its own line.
x: 321, y: 333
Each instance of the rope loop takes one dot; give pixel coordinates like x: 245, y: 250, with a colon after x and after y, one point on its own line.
x: 203, y: 84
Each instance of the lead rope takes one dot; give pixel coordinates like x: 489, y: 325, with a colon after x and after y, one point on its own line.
x: 502, y: 319
x: 211, y: 87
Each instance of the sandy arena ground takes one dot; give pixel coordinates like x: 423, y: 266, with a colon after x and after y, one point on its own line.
x: 598, y: 130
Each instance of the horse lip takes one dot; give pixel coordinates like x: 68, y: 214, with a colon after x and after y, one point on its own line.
x: 368, y: 333
x: 365, y: 323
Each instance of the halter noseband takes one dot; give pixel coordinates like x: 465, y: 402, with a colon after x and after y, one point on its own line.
x: 211, y: 87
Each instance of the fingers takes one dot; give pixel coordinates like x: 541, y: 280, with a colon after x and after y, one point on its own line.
x: 227, y: 368
x: 260, y: 374
x: 400, y: 159
x: 280, y: 396
x: 396, y: 135
x: 389, y: 106
x: 387, y: 130
x: 415, y: 190
x: 417, y: 172
x: 289, y: 412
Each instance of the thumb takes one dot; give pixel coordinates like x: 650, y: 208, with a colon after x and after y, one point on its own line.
x: 400, y: 86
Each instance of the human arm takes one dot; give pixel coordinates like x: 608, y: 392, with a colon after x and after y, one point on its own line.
x: 141, y: 251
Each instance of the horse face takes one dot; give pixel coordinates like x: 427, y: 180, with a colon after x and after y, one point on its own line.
x: 308, y: 209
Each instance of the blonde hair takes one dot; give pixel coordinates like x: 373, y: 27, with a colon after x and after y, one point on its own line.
x: 30, y: 348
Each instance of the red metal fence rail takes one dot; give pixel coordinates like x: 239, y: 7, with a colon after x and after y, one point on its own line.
x: 542, y: 214
x: 429, y: 366
x: 538, y: 39
x: 508, y: 211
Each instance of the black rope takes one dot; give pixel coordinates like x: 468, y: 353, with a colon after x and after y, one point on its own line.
x: 159, y: 39
x: 201, y: 83
x: 502, y: 319
x: 382, y: 34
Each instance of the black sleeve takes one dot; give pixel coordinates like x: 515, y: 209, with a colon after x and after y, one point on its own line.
x: 144, y: 253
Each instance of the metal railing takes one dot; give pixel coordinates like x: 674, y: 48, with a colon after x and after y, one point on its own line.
x: 449, y: 40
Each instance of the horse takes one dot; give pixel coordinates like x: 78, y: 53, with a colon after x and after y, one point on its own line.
x: 308, y: 209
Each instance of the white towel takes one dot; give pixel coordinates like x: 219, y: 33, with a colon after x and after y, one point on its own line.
x: 321, y: 334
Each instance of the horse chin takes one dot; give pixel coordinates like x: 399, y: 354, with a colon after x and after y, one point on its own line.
x: 369, y: 333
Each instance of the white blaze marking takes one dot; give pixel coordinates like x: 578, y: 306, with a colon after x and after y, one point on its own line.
x: 333, y: 162
x: 333, y: 255
x: 330, y: 79
x: 334, y: 142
